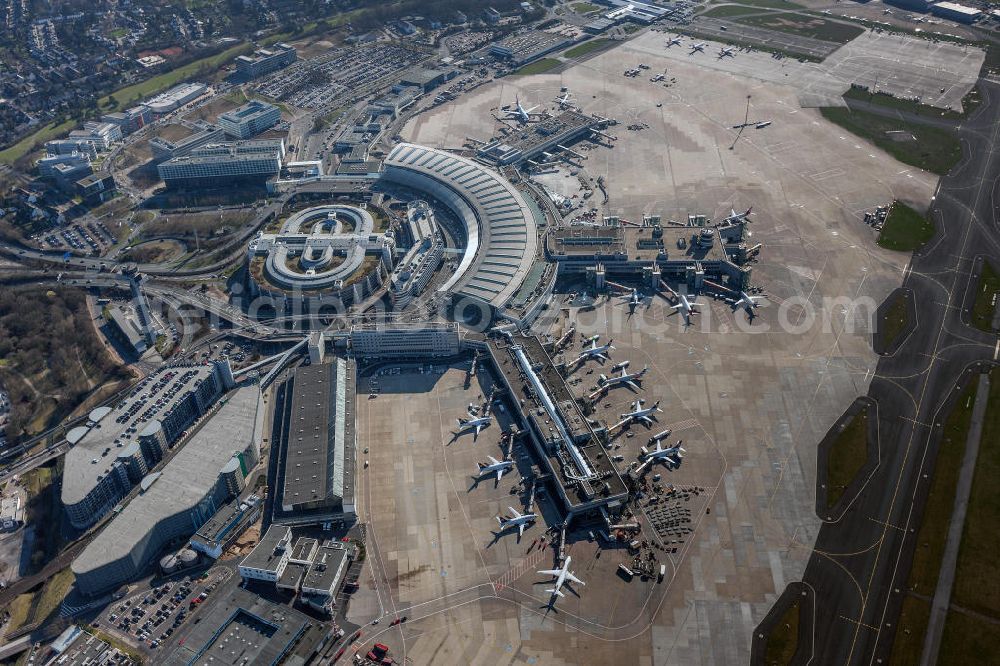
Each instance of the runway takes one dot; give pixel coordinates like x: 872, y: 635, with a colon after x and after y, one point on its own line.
x: 861, y: 559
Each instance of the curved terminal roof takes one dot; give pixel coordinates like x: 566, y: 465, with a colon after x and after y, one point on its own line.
x: 76, y: 434
x: 98, y: 414
x: 500, y: 227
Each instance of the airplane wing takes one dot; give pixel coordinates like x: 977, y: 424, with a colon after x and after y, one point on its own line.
x: 520, y: 530
x: 550, y: 572
x: 493, y: 461
x: 573, y: 578
x: 632, y: 384
x: 500, y: 471
x: 478, y: 428
x: 646, y: 419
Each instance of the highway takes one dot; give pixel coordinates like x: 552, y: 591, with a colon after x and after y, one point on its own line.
x: 861, y: 559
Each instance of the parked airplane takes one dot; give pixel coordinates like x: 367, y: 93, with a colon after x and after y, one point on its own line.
x: 700, y: 46
x: 658, y: 77
x: 516, y: 519
x: 596, y: 351
x: 671, y: 455
x: 632, y: 300
x: 562, y: 576
x: 628, y: 379
x: 519, y: 113
x: 727, y: 51
x: 495, y: 466
x: 640, y: 413
x: 735, y: 217
x: 476, y: 421
x: 762, y: 124
x: 673, y: 41
x: 564, y: 100
x: 686, y: 308
x: 747, y: 302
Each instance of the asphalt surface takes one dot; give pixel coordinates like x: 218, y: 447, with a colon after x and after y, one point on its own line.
x: 860, y: 562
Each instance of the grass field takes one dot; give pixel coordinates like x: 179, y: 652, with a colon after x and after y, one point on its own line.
x: 133, y: 93
x: 729, y: 11
x: 969, y: 640
x: 784, y: 638
x: 905, y: 229
x: 586, y: 47
x: 584, y: 7
x: 24, y: 146
x: 970, y: 103
x: 895, y: 320
x: 976, y: 584
x: 932, y: 149
x: 537, y: 67
x: 933, y: 532
x: 772, y: 4
x: 985, y: 303
x: 847, y: 455
x: 806, y: 26
x: 32, y: 607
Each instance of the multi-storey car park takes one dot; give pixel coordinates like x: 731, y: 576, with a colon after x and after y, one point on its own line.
x: 336, y: 260
x: 119, y: 445
x: 208, y: 471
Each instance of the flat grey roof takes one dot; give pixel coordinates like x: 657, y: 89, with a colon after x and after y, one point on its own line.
x: 264, y: 556
x: 262, y: 630
x: 500, y: 228
x: 323, y: 572
x: 80, y: 474
x: 319, y: 436
x: 184, y: 481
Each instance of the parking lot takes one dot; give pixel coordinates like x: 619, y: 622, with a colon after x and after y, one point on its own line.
x: 83, y: 237
x: 149, y: 618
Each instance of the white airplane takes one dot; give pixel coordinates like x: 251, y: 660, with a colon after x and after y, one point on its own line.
x: 671, y: 455
x: 762, y: 124
x: 626, y: 378
x: 519, y: 113
x: 727, y: 51
x: 475, y: 421
x: 562, y: 576
x: 516, y: 519
x: 640, y: 413
x: 700, y: 46
x: 735, y: 217
x: 747, y: 302
x: 686, y: 308
x: 633, y: 299
x: 495, y: 466
x: 596, y: 351
x: 673, y: 41
x: 658, y: 77
x: 886, y: 11
x: 564, y: 100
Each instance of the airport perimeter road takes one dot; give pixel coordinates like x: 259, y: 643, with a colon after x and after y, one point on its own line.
x: 861, y: 559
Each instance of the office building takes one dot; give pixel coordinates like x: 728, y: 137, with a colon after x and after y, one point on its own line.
x: 246, y: 162
x: 225, y: 527
x: 175, y: 98
x: 103, y: 465
x: 173, y: 503
x: 265, y: 61
x: 405, y: 340
x: 250, y: 119
x: 204, y: 133
x: 316, y: 474
x: 130, y: 120
x: 102, y: 135
x: 70, y: 146
x: 96, y: 188
x: 127, y: 330
x: 77, y: 164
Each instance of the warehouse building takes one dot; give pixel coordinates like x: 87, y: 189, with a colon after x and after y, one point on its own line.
x: 250, y: 119
x: 175, y: 502
x: 127, y: 330
x: 242, y: 629
x: 119, y: 445
x: 956, y: 12
x: 317, y: 468
x: 265, y: 61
